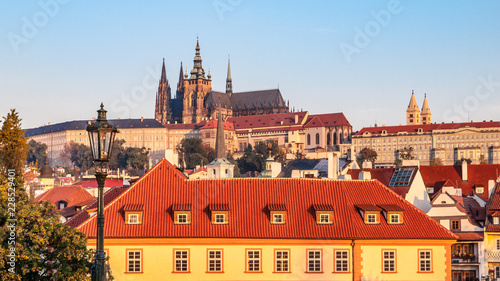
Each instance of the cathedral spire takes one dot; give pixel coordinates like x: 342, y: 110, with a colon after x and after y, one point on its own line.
x: 229, y: 81
x: 220, y: 146
x: 413, y: 112
x: 197, y: 71
x: 426, y: 112
x: 163, y: 78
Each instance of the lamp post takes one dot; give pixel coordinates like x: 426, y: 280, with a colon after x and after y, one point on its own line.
x: 102, y: 136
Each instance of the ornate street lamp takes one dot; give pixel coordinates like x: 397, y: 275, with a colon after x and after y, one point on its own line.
x: 102, y: 136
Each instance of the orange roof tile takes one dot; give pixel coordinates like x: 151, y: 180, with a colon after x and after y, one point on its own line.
x: 212, y: 124
x: 269, y: 120
x: 92, y: 183
x: 74, y: 195
x: 163, y: 185
x: 326, y: 120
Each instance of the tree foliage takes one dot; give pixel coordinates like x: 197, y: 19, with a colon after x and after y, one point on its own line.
x: 406, y: 153
x: 254, y: 159
x: 482, y: 159
x: 13, y: 144
x: 436, y: 162
x: 194, y: 152
x: 79, y: 155
x: 366, y: 154
x: 37, y: 153
x: 459, y: 162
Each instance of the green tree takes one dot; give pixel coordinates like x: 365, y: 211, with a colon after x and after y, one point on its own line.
x: 482, y: 159
x: 194, y: 152
x: 13, y: 144
x: 406, y: 153
x: 137, y: 158
x: 436, y: 161
x: 254, y: 160
x: 366, y: 154
x: 37, y: 153
x: 78, y: 154
x: 118, y: 156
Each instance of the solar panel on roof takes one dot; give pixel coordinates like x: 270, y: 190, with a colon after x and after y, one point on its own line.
x: 401, y: 176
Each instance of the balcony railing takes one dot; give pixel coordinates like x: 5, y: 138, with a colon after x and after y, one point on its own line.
x: 493, y: 255
x: 459, y: 261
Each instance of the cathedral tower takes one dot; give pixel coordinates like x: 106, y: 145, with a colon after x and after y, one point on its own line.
x: 195, y: 89
x: 426, y: 112
x: 163, y: 109
x: 229, y: 81
x: 412, y: 113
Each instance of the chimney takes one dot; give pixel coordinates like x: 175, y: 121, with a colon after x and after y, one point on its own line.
x: 491, y: 185
x: 296, y: 119
x: 367, y: 165
x: 142, y: 119
x: 465, y: 174
x: 365, y: 175
x: 332, y: 166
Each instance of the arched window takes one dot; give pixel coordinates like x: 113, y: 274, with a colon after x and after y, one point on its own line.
x: 335, y: 138
x: 328, y: 139
x: 308, y: 139
x: 317, y: 138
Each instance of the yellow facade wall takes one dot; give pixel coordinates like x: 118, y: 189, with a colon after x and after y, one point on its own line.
x: 158, y: 259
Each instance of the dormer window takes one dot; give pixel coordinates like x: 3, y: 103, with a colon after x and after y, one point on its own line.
x: 496, y: 220
x: 430, y: 190
x: 219, y: 213
x: 369, y: 213
x: 392, y: 213
x: 479, y: 189
x: 277, y: 213
x: 182, y: 213
x: 133, y: 213
x: 62, y: 204
x: 324, y: 213
x: 496, y: 217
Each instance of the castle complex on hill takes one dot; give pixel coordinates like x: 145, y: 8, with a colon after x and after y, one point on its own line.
x: 195, y: 101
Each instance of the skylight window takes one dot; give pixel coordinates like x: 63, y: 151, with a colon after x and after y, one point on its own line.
x: 402, y: 176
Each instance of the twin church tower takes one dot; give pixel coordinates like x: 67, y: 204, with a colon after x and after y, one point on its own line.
x: 414, y: 116
x: 195, y: 101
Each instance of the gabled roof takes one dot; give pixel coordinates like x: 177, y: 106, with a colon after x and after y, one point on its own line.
x: 163, y: 185
x: 283, y: 121
x: 257, y: 99
x: 478, y: 175
x: 92, y: 183
x: 212, y: 124
x: 427, y: 127
x: 83, y: 214
x: 74, y: 195
x: 326, y: 120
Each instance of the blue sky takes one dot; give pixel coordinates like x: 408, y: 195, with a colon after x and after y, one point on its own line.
x: 61, y: 58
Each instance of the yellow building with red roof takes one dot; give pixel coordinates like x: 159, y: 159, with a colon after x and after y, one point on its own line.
x: 166, y: 226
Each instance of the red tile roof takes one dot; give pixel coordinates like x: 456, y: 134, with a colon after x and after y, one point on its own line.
x: 383, y: 175
x: 391, y: 207
x: 437, y: 176
x: 163, y: 186
x: 182, y: 207
x: 133, y: 207
x: 268, y: 120
x: 470, y: 236
x: 212, y: 124
x: 326, y: 120
x: 83, y: 214
x: 92, y: 183
x: 426, y: 127
x: 74, y: 195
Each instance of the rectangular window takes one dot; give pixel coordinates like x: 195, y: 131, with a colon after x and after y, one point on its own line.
x: 324, y: 218
x: 372, y: 218
x: 282, y: 261
x: 277, y: 218
x: 181, y: 260
x: 220, y: 218
x: 389, y: 261
x: 342, y: 261
x: 455, y: 225
x: 134, y: 261
x: 394, y: 218
x: 253, y: 260
x: 498, y: 244
x: 425, y: 261
x: 182, y: 218
x: 313, y: 261
x: 215, y: 261
x: 133, y: 218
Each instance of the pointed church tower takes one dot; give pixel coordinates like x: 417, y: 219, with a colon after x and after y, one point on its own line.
x: 412, y: 113
x: 220, y: 168
x: 195, y: 90
x: 229, y: 81
x: 163, y: 111
x: 179, y: 94
x: 426, y: 112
